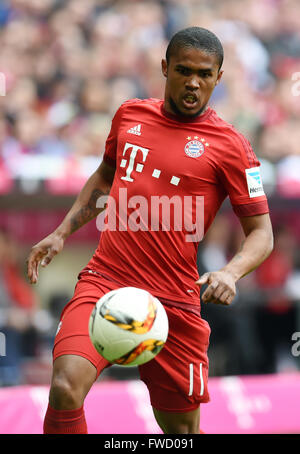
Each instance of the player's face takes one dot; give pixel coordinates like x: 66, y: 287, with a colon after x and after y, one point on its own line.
x: 192, y: 75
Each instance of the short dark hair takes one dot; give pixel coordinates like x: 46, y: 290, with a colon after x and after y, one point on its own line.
x: 197, y: 37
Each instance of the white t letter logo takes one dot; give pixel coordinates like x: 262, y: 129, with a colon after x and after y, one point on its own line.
x: 139, y: 167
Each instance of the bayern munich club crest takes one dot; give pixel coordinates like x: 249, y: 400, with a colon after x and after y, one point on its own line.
x: 195, y: 148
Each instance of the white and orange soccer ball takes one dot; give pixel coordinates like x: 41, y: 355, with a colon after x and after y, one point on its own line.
x: 128, y: 326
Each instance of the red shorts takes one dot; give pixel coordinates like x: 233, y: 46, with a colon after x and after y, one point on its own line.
x: 176, y: 378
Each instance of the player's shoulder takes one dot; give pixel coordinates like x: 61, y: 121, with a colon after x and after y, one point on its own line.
x: 133, y: 103
x: 136, y: 109
x: 235, y: 137
x: 141, y: 103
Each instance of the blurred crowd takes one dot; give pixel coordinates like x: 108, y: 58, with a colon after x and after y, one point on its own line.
x: 69, y: 64
x: 23, y: 321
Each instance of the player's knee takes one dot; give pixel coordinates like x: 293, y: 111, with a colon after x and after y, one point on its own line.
x: 180, y: 428
x: 178, y: 423
x: 72, y: 379
x: 64, y: 395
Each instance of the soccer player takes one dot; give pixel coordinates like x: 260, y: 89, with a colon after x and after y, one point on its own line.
x: 168, y: 166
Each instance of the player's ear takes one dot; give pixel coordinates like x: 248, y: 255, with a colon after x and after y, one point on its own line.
x: 219, y: 77
x: 164, y: 67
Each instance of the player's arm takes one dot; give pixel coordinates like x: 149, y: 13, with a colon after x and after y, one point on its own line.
x: 83, y: 210
x: 256, y: 247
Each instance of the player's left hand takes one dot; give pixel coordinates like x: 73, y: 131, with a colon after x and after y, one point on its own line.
x: 221, y: 287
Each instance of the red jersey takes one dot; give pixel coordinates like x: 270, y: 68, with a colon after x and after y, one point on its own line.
x: 172, y: 175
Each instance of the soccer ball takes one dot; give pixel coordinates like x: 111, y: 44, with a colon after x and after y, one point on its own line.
x: 128, y: 326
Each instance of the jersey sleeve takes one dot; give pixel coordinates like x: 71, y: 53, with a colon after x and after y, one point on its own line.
x: 240, y: 175
x: 110, y: 153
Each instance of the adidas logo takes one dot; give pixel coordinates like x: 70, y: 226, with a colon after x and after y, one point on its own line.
x: 135, y: 130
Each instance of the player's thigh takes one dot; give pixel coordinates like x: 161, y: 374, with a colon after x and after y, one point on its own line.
x: 178, y: 423
x: 72, y: 336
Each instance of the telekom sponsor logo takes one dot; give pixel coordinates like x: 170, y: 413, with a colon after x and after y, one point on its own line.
x: 160, y: 213
x: 243, y: 407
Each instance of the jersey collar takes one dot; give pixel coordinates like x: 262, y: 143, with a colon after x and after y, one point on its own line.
x: 183, y: 119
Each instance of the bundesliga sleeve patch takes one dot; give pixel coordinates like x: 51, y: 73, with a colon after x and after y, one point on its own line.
x: 254, y: 182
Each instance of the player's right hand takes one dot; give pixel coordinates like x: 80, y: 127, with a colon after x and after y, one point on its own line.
x: 41, y: 254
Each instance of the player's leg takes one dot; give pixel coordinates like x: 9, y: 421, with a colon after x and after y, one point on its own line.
x: 72, y: 379
x: 177, y: 377
x: 76, y: 363
x: 178, y: 423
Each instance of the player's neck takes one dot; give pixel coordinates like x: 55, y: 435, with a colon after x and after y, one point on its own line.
x: 173, y: 113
